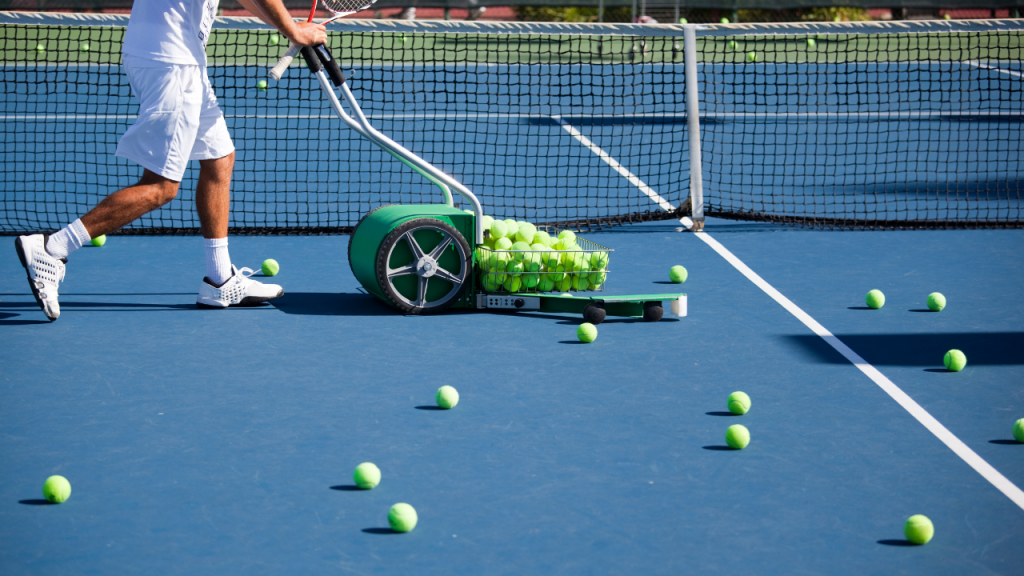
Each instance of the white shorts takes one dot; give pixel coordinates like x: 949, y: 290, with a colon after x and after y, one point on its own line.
x: 179, y: 119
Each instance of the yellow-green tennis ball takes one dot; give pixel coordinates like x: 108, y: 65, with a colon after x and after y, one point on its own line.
x: 954, y: 360
x: 596, y: 279
x: 549, y: 258
x: 1018, y: 430
x: 274, y: 39
x: 531, y: 279
x: 402, y: 517
x: 270, y: 267
x: 520, y: 250
x: 724, y: 20
x: 564, y: 284
x: 490, y: 281
x: 40, y: 47
x: 447, y: 397
x: 487, y: 221
x: 542, y: 237
x: 751, y: 56
x: 366, y: 476
x: 587, y: 332
x: 683, y: 21
x: 513, y: 228
x: 875, y: 299
x: 502, y: 244
x: 499, y: 229
x: 514, y: 267
x: 567, y: 235
x: 84, y: 46
x: 731, y: 44
x: 598, y: 260
x: 737, y: 436
x: 557, y: 273
x: 526, y: 232
x: 936, y: 301
x: 738, y: 403
x: 99, y: 240
x: 919, y: 529
x: 262, y: 85
x: 547, y: 284
x: 580, y: 282
x: 947, y: 17
x: 678, y: 274
x: 810, y: 42
x: 497, y: 261
x: 512, y: 283
x: 57, y: 489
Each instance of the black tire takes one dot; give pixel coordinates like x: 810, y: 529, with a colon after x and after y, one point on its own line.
x: 653, y: 311
x: 594, y: 313
x: 354, y: 235
x: 438, y: 261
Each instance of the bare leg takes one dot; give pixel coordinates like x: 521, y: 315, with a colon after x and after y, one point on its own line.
x: 127, y: 205
x: 213, y: 195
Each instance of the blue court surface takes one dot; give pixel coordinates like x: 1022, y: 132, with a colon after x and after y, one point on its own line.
x: 212, y: 442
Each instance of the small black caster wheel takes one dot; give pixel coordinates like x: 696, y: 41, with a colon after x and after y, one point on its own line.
x: 653, y: 311
x: 594, y: 313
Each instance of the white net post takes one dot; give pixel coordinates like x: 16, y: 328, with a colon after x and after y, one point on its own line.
x: 693, y: 125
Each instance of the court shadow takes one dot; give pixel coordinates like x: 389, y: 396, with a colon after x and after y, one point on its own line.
x: 722, y: 414
x: 718, y: 448
x: 920, y: 310
x: 942, y: 370
x: 429, y: 408
x: 570, y: 342
x: 916, y: 349
x: 36, y: 502
x: 347, y: 488
x: 859, y: 308
x: 1006, y: 442
x: 667, y: 282
x: 331, y: 304
x: 380, y: 531
x: 897, y: 542
x: 5, y: 322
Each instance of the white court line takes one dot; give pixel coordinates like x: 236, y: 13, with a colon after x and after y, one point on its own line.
x: 987, y: 67
x: 616, y: 166
x: 972, y: 459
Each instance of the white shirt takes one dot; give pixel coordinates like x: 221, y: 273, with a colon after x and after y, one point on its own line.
x: 173, y: 31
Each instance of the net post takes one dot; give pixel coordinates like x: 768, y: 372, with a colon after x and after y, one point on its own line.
x: 693, y: 126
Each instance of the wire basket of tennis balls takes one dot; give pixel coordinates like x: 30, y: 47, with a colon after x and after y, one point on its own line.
x: 550, y: 263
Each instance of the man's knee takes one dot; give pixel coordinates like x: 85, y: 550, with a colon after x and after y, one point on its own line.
x: 218, y: 169
x: 161, y: 190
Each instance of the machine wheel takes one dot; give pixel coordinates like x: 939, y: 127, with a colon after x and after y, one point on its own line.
x: 424, y: 266
x: 594, y: 313
x: 354, y: 235
x: 653, y: 311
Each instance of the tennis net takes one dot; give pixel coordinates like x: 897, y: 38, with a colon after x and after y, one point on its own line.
x: 902, y: 125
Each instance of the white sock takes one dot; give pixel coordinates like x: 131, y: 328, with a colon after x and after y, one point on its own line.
x: 218, y: 262
x: 67, y: 240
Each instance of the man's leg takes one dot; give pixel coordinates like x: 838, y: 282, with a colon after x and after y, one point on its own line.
x: 213, y: 202
x: 126, y: 205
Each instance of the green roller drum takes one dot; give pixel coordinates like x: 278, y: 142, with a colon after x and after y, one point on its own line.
x: 418, y: 259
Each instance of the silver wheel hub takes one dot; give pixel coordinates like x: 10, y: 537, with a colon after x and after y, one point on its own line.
x: 426, y: 267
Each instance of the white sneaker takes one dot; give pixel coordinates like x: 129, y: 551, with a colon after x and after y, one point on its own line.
x: 239, y: 290
x: 45, y: 273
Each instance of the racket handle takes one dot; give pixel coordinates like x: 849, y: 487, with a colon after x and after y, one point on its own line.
x: 311, y: 60
x: 278, y: 70
x: 333, y: 70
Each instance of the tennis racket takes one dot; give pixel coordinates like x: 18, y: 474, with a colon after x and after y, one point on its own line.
x: 338, y: 9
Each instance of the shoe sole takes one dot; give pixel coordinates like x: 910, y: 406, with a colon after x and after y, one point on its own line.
x: 247, y: 301
x: 31, y: 284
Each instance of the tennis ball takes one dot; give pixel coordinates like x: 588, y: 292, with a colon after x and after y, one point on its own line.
x: 683, y: 21
x: 487, y: 221
x: 84, y: 46
x: 919, y: 529
x: 954, y: 360
x: 580, y: 282
x: 751, y: 56
x: 512, y: 283
x: 497, y: 261
x: 738, y: 403
x: 542, y: 237
x: 531, y: 279
x: 678, y: 274
x: 947, y: 17
x: 526, y: 232
x: 557, y: 272
x: 274, y: 39
x: 270, y: 267
x: 447, y: 397
x: 875, y: 299
x: 550, y: 259
x: 499, y: 229
x: 724, y: 20
x: 513, y: 228
x: 587, y: 332
x: 502, y: 244
x: 936, y: 301
x: 599, y: 260
x: 547, y: 284
x: 564, y: 284
x: 99, y: 240
x: 514, y: 267
x: 567, y: 235
x: 1018, y: 430
x: 520, y: 250
x: 57, y: 489
x: 596, y: 279
x: 402, y: 517
x: 262, y: 85
x: 731, y: 44
x: 534, y: 261
x: 40, y: 47
x: 366, y: 476
x: 490, y: 281
x: 810, y: 43
x: 737, y: 436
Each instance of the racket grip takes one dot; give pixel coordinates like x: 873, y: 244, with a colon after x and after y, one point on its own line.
x: 333, y: 70
x: 278, y: 70
x: 311, y: 60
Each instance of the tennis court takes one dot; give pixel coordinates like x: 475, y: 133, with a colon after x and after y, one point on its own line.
x: 209, y: 442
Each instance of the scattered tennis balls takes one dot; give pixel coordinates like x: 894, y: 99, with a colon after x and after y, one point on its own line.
x: 402, y: 517
x: 737, y: 436
x: 724, y: 20
x: 366, y: 476
x: 954, y: 360
x: 738, y: 403
x: 587, y: 332
x: 270, y: 267
x: 57, y: 489
x: 810, y: 42
x: 751, y: 56
x: 262, y: 85
x: 274, y: 39
x: 936, y: 302
x: 875, y: 299
x: 919, y: 529
x: 499, y: 229
x: 678, y: 274
x: 1018, y: 430
x: 447, y: 397
x: 99, y: 240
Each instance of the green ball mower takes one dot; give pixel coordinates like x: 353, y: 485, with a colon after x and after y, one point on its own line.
x: 420, y: 259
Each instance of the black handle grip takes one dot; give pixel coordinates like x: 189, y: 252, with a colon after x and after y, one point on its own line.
x: 333, y: 70
x: 311, y: 60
